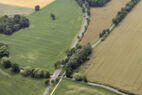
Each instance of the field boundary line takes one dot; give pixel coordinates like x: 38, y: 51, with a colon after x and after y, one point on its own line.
x: 101, y: 39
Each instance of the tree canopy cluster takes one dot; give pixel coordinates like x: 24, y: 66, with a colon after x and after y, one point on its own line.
x: 27, y: 71
x: 8, y: 24
x: 119, y: 17
x: 4, y: 50
x: 5, y: 60
x: 37, y: 8
x: 93, y: 3
x: 35, y: 73
x: 76, y: 57
x: 124, y: 11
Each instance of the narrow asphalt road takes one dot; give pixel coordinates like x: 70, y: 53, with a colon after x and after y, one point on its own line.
x: 58, y: 71
x: 90, y: 83
x: 106, y: 87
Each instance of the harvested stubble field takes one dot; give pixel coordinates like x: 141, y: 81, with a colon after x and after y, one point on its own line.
x: 27, y: 3
x: 69, y: 87
x: 12, y: 10
x: 118, y: 60
x: 101, y: 18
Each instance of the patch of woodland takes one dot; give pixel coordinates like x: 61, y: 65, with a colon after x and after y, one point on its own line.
x: 75, y: 58
x: 11, y: 24
x: 93, y: 3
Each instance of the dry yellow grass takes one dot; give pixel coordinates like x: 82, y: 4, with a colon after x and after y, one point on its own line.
x: 118, y: 60
x: 101, y: 18
x: 27, y: 3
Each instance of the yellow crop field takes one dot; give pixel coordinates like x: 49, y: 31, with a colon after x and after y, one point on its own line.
x: 101, y: 18
x: 118, y: 60
x: 26, y: 3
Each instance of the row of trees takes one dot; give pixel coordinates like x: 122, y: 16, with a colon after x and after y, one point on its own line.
x: 27, y: 71
x: 76, y: 57
x: 86, y: 12
x: 5, y: 61
x: 93, y: 3
x: 104, y: 34
x: 119, y: 17
x: 8, y: 25
x: 35, y: 73
x: 124, y: 11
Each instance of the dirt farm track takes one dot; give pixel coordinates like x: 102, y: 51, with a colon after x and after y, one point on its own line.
x: 26, y: 3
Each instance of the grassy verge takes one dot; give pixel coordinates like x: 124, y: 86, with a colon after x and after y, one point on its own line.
x: 69, y: 87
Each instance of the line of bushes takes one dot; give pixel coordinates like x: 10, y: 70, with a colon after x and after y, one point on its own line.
x: 93, y: 3
x: 119, y: 17
x: 9, y: 25
x: 5, y: 60
x: 76, y: 57
x: 124, y: 11
x: 6, y: 63
x: 35, y: 73
x: 86, y: 12
x: 25, y: 71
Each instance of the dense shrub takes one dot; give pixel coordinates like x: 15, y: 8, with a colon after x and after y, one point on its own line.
x: 78, y: 58
x: 5, y: 62
x: 15, y: 68
x: 27, y: 71
x: 78, y: 77
x: 47, y: 82
x: 93, y: 3
x: 8, y: 25
x: 35, y: 73
x: 39, y: 73
x: 4, y: 50
x: 37, y: 8
x: 53, y: 16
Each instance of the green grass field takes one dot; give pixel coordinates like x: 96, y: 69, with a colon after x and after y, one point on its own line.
x: 69, y: 87
x: 45, y: 41
x: 11, y: 10
x: 18, y: 85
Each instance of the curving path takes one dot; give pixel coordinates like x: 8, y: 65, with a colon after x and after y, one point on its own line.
x: 58, y: 71
x: 107, y: 87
